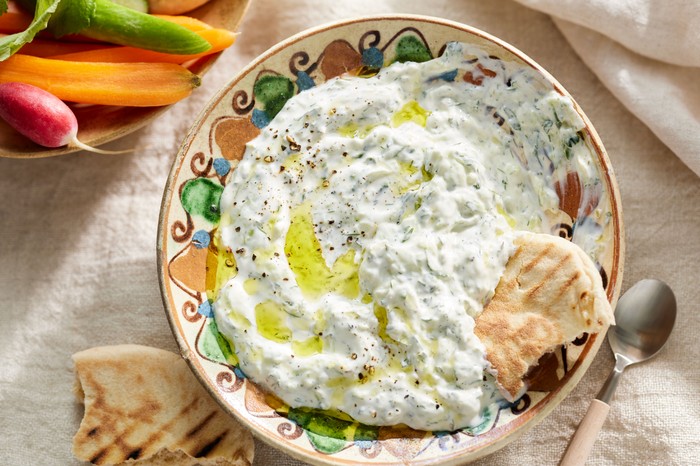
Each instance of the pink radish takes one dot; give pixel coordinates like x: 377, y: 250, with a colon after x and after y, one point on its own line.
x: 41, y: 116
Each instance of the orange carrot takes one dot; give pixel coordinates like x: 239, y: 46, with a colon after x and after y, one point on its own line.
x: 126, y: 84
x: 14, y: 21
x: 170, y: 7
x: 193, y: 24
x: 48, y: 48
x: 219, y: 39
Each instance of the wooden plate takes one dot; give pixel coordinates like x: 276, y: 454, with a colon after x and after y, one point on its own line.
x: 99, y: 124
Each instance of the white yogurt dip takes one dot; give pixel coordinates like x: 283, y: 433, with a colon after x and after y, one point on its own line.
x: 371, y: 221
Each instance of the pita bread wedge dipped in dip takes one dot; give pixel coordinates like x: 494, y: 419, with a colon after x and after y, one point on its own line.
x: 550, y: 293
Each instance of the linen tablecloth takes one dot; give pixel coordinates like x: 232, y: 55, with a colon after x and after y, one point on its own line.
x: 78, y: 254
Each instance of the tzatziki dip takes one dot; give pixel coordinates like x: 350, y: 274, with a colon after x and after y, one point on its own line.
x: 371, y: 221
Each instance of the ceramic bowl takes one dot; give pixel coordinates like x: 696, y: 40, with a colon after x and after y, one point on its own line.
x: 187, y: 256
x: 99, y: 124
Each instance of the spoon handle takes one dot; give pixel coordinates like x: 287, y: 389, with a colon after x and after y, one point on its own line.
x: 585, y: 435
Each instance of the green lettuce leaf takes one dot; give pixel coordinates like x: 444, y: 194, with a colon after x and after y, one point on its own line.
x: 43, y: 12
x: 3, y: 6
x: 71, y: 17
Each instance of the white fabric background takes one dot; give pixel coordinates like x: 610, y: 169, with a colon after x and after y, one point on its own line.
x: 78, y: 233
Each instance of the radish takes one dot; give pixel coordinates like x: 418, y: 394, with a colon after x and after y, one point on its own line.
x: 41, y: 116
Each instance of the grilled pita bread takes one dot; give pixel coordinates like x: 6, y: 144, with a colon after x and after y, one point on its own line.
x: 549, y: 294
x: 144, y: 406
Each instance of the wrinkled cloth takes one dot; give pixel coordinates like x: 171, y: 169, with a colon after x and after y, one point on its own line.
x: 78, y: 251
x: 647, y: 53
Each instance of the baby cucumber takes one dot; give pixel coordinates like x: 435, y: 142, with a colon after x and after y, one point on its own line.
x: 111, y: 22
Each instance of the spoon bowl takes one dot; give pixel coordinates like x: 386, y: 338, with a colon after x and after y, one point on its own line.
x: 644, y: 319
x: 639, y: 333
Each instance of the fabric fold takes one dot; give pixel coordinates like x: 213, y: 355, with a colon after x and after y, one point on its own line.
x: 665, y: 30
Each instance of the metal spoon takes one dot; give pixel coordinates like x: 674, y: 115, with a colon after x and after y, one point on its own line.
x: 644, y: 318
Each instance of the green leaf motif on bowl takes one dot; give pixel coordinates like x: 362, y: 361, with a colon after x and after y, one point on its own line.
x: 410, y: 48
x: 273, y: 92
x: 214, y: 346
x: 327, y: 433
x: 201, y: 196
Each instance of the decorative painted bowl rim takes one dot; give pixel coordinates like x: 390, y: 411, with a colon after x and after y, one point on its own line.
x: 226, y: 385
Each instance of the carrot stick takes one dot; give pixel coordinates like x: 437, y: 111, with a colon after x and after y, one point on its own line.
x: 126, y: 84
x: 14, y: 21
x: 193, y: 24
x: 48, y: 48
x: 218, y: 38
